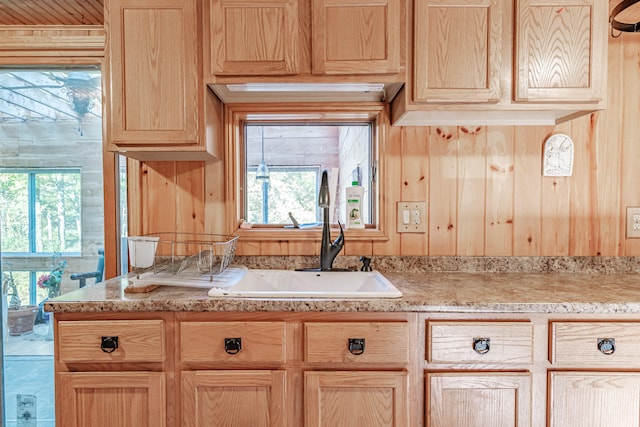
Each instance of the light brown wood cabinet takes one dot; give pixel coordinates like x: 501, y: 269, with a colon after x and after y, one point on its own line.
x: 504, y: 62
x: 590, y: 382
x: 112, y: 372
x: 561, y: 52
x: 278, y: 372
x: 470, y: 393
x: 458, y: 50
x: 156, y: 97
x: 302, y: 38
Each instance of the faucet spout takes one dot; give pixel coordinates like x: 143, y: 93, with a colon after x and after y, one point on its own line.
x: 328, y: 250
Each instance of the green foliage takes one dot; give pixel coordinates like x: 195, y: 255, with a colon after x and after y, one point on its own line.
x: 55, y: 207
x: 289, y: 191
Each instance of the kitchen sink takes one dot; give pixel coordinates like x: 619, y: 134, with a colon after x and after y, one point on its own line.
x: 309, y: 284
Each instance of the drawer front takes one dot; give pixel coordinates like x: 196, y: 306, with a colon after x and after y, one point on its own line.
x: 480, y: 342
x: 357, y: 342
x: 232, y: 342
x: 111, y: 341
x: 598, y: 344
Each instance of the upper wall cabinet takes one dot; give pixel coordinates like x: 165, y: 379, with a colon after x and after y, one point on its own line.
x: 504, y: 62
x: 156, y: 98
x: 356, y: 36
x: 458, y: 50
x: 561, y: 54
x: 253, y: 37
x: 303, y: 39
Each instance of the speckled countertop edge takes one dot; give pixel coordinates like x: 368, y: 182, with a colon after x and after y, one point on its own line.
x: 475, y: 285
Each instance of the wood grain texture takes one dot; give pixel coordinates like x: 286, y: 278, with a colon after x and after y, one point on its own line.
x: 461, y: 399
x: 45, y: 12
x: 581, y: 215
x: 593, y: 398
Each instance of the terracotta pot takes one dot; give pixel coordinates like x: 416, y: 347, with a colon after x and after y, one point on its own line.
x: 21, y: 320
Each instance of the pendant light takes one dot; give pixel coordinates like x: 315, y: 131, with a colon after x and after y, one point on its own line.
x: 262, y: 173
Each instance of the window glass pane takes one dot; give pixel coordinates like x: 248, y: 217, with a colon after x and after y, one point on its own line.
x: 58, y: 220
x: 14, y: 212
x: 287, y: 190
x: 283, y: 165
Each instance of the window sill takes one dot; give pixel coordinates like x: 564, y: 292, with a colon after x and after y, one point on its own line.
x: 296, y: 234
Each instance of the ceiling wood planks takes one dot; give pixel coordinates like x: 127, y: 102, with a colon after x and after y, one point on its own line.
x: 51, y: 12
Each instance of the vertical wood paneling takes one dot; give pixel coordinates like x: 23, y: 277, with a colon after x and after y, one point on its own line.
x: 583, y: 228
x: 443, y: 174
x: 498, y: 239
x: 159, y: 197
x: 554, y: 213
x: 630, y: 171
x: 415, y: 183
x: 390, y: 171
x: 609, y: 181
x: 190, y: 197
x: 527, y: 201
x: 484, y: 187
x: 472, y: 143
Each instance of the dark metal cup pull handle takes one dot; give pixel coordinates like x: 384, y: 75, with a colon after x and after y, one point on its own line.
x: 607, y: 345
x: 482, y: 345
x: 233, y: 345
x: 356, y: 346
x: 109, y: 344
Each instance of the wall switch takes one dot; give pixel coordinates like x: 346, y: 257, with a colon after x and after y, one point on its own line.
x: 633, y: 222
x: 412, y: 217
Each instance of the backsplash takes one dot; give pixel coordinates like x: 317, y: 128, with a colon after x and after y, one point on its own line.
x: 438, y: 264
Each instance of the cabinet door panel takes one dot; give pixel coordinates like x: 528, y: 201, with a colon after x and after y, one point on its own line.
x: 347, y: 399
x: 356, y: 36
x: 253, y: 37
x: 581, y: 399
x: 561, y: 50
x: 154, y: 72
x: 107, y: 399
x: 233, y: 398
x: 458, y: 50
x: 472, y: 400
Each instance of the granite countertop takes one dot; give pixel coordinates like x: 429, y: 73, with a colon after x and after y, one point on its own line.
x: 460, y: 292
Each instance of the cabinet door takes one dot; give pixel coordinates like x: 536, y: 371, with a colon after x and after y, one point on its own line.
x: 233, y: 398
x: 356, y: 36
x: 579, y: 399
x: 253, y: 37
x: 458, y: 50
x: 348, y: 399
x: 478, y: 399
x: 107, y: 399
x: 153, y: 72
x: 561, y: 50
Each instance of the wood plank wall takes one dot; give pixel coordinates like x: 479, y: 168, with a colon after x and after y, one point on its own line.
x: 484, y: 187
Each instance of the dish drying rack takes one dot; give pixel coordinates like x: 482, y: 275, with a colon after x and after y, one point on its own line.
x: 179, y: 258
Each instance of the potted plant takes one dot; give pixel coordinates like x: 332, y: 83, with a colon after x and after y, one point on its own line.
x: 20, y: 318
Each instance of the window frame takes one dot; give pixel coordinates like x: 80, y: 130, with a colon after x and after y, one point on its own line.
x: 236, y: 115
x: 32, y: 174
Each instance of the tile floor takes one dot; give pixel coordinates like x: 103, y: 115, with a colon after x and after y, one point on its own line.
x: 28, y: 370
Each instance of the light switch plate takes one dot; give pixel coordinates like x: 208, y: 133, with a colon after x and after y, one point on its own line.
x: 412, y: 217
x: 633, y: 222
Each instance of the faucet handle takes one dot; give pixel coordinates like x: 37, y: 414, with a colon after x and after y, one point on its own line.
x: 365, y: 263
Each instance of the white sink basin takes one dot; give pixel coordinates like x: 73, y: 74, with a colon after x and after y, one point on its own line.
x: 309, y: 284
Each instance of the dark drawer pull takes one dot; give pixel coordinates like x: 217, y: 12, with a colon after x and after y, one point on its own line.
x: 109, y: 344
x: 356, y: 346
x: 233, y: 345
x: 607, y: 345
x: 482, y: 345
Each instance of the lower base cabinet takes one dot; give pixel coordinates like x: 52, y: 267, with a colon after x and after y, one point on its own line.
x: 478, y: 399
x: 108, y: 399
x: 581, y: 399
x: 241, y: 398
x: 348, y: 399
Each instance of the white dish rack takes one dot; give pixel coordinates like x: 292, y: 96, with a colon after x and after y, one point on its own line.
x: 181, y: 259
